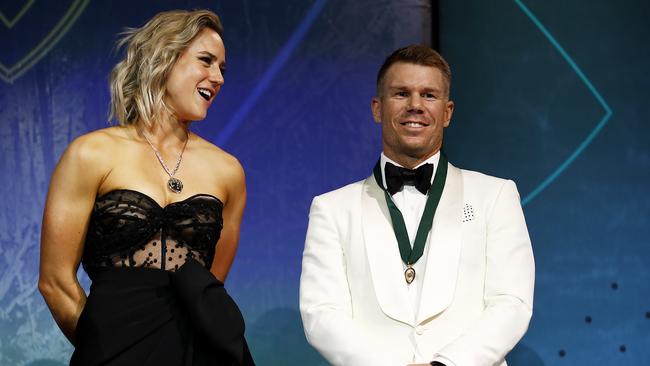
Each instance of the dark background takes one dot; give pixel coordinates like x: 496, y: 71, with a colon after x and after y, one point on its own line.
x: 553, y: 94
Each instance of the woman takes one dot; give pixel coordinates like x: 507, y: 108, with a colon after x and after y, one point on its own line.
x: 142, y: 206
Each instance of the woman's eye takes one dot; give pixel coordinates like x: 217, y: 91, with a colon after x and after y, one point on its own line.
x: 207, y: 60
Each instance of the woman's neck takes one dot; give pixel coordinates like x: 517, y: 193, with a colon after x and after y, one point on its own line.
x: 165, y: 132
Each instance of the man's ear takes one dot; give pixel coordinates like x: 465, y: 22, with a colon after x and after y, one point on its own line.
x: 375, y: 107
x: 449, y: 111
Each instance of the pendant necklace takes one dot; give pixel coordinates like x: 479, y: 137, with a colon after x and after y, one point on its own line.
x: 174, y: 184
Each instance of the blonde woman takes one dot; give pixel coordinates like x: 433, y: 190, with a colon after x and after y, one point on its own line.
x: 151, y: 210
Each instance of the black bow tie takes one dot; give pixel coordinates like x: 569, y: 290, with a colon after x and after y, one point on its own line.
x: 397, y: 177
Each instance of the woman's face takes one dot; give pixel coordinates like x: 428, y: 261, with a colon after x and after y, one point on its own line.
x: 196, y: 77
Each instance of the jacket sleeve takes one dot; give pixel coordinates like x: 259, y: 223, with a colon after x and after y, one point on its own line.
x: 508, y: 294
x: 325, y: 302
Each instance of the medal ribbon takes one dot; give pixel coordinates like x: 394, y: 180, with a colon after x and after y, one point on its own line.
x: 411, y: 255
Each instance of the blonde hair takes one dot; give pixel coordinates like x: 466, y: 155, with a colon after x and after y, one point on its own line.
x: 138, y: 81
x: 416, y: 54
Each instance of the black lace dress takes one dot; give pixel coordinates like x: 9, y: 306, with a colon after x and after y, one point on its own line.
x: 153, y: 300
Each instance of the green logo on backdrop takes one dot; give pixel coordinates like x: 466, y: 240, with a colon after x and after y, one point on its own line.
x: 9, y: 73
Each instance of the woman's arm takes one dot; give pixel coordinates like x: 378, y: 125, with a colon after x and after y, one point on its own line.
x: 232, y: 218
x: 68, y: 207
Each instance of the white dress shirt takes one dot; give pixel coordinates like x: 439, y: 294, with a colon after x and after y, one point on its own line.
x: 411, y: 204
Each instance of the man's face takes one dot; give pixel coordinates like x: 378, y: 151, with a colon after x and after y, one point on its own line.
x: 413, y: 109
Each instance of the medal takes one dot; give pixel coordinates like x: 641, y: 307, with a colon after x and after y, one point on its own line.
x: 410, y: 254
x: 409, y: 274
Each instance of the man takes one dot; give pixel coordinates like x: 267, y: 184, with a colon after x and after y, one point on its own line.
x: 421, y: 262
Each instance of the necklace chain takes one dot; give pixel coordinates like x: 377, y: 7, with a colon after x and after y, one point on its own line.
x: 160, y: 159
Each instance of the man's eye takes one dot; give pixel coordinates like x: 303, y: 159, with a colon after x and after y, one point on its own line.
x: 429, y: 96
x: 401, y: 94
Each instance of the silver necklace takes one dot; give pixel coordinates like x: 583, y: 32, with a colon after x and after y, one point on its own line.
x: 174, y: 184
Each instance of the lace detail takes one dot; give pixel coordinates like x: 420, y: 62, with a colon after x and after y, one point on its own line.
x: 130, y: 229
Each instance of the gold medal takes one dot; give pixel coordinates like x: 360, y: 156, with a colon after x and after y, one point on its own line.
x: 411, y: 252
x: 409, y: 274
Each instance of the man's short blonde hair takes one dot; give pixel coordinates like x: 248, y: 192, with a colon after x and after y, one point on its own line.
x: 419, y: 55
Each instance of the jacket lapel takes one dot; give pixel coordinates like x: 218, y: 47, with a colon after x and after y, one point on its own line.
x: 383, y: 255
x: 444, y: 249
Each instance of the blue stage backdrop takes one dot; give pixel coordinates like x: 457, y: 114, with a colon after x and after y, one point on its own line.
x: 552, y: 94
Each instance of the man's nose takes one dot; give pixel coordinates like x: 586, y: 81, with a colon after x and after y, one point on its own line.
x: 415, y: 104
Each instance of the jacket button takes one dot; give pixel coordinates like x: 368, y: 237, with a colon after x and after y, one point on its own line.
x: 419, y: 330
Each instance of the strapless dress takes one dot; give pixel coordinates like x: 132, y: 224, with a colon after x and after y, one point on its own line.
x: 153, y: 299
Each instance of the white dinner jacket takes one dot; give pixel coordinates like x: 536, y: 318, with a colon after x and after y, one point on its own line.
x: 477, y: 293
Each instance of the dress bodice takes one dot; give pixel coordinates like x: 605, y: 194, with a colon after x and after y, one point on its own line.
x: 130, y: 229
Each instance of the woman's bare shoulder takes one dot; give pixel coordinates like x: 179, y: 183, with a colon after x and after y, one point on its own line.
x: 219, y: 157
x: 103, y: 138
x: 96, y: 148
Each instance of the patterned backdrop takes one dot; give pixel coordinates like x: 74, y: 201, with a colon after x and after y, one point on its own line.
x: 553, y: 94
